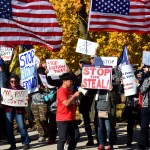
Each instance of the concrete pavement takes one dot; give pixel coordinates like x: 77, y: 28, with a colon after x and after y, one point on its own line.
x: 121, y: 144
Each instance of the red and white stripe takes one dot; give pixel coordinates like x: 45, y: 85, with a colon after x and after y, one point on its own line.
x: 137, y: 21
x: 34, y: 23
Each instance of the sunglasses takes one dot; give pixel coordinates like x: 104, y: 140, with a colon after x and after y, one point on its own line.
x: 13, y: 81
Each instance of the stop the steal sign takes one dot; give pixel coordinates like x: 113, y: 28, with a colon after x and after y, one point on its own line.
x: 96, y: 77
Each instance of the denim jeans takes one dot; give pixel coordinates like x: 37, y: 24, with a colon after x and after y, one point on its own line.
x: 104, y: 122
x: 10, y: 116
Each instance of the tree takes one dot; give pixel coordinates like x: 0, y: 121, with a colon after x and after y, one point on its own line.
x: 72, y: 16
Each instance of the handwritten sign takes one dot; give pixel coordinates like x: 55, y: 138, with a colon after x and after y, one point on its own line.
x: 44, y: 81
x: 15, y: 98
x: 128, y: 77
x: 146, y: 57
x: 29, y: 79
x: 6, y: 53
x: 96, y: 77
x: 86, y: 47
x: 56, y: 67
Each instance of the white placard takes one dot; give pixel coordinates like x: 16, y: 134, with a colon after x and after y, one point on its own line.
x: 130, y: 87
x: 109, y: 61
x: 6, y: 53
x: 44, y: 81
x: 17, y: 98
x: 37, y: 61
x: 146, y: 57
x: 86, y: 47
x: 96, y: 77
x: 29, y: 79
x: 56, y: 67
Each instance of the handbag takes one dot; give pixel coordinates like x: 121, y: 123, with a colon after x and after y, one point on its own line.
x: 103, y: 114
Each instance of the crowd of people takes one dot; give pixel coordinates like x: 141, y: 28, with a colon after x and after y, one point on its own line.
x: 51, y: 111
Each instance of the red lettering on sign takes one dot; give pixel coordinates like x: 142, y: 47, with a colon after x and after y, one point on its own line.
x: 86, y: 71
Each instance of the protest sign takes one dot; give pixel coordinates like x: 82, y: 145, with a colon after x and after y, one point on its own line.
x: 128, y: 78
x: 37, y: 61
x: 146, y: 57
x: 96, y: 77
x: 56, y: 67
x: 6, y: 53
x: 110, y: 61
x: 86, y: 47
x: 44, y: 81
x: 15, y: 98
x: 29, y: 79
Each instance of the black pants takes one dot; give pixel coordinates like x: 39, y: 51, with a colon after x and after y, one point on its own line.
x: 66, y: 133
x: 52, y: 126
x: 144, y: 135
x: 130, y: 126
x: 2, y: 122
x: 30, y: 115
x: 87, y: 126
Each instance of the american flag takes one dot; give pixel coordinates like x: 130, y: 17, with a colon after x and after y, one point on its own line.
x: 120, y: 16
x: 29, y: 22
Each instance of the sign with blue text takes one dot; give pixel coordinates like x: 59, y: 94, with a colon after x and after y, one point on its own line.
x: 29, y: 79
x: 86, y: 47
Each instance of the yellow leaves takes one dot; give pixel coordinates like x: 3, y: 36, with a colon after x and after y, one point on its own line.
x: 110, y: 43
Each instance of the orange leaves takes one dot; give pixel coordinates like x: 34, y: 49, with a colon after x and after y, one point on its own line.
x: 110, y: 43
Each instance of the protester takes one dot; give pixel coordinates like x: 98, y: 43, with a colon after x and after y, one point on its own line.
x: 17, y: 113
x: 39, y: 108
x: 65, y: 115
x: 106, y: 117
x: 145, y: 113
x: 85, y: 100
x: 131, y: 112
x: 3, y: 81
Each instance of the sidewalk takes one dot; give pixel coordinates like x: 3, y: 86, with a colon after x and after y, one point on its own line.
x: 121, y: 145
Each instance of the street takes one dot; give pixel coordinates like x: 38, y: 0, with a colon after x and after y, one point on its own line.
x: 121, y: 144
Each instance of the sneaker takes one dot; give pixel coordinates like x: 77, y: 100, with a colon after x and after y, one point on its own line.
x: 26, y: 146
x: 101, y: 147
x: 41, y: 139
x: 89, y: 143
x: 12, y: 147
x: 110, y: 147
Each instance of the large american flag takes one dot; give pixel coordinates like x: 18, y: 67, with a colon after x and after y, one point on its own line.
x: 29, y: 22
x: 120, y: 15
